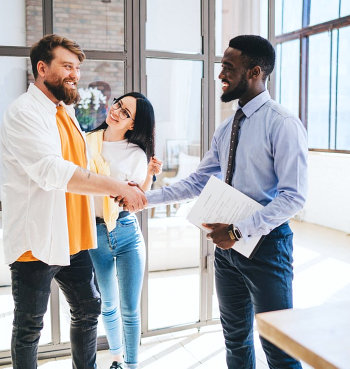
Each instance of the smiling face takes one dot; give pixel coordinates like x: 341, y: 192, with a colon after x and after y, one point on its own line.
x: 61, y: 76
x: 127, y: 105
x: 233, y: 75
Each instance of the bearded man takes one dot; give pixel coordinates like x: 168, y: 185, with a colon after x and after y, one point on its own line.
x: 47, y: 208
x: 261, y: 151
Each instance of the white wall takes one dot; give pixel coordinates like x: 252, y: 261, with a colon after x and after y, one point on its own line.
x: 328, y: 201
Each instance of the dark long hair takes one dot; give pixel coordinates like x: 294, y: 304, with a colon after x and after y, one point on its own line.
x: 144, y: 124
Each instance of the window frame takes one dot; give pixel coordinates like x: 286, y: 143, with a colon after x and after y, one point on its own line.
x: 303, y: 35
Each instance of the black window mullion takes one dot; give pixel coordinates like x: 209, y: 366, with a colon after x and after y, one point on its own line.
x: 304, y: 65
x: 336, y: 93
x: 47, y: 17
x: 280, y: 73
x: 330, y: 92
x: 304, y: 77
x: 306, y: 13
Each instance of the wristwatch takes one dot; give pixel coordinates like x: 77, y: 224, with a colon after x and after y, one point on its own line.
x: 234, y: 233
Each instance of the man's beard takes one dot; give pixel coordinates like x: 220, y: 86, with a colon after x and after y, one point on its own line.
x: 237, y: 92
x: 62, y: 92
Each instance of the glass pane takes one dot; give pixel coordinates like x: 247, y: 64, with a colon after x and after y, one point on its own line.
x: 174, y: 26
x: 222, y: 110
x: 173, y: 243
x: 215, y: 304
x: 6, y: 313
x: 287, y: 75
x: 20, y: 22
x: 100, y: 82
x: 343, y: 111
x: 264, y: 18
x: 288, y: 15
x: 6, y: 301
x: 15, y: 76
x: 233, y: 18
x: 318, y: 91
x: 94, y: 24
x: 323, y: 11
x: 344, y: 8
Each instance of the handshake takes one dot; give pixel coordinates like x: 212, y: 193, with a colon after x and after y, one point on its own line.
x: 130, y: 196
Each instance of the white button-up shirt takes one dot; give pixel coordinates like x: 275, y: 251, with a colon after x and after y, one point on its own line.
x: 35, y: 178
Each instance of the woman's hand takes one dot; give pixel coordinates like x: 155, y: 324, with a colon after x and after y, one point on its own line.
x: 154, y: 166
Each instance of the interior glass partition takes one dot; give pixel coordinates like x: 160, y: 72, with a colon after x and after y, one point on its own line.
x: 173, y: 243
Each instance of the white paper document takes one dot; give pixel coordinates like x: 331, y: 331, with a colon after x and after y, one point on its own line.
x: 221, y: 203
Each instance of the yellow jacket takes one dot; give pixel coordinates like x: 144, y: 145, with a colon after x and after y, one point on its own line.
x: 100, y: 166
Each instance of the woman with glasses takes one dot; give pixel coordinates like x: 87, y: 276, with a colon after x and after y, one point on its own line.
x: 121, y: 147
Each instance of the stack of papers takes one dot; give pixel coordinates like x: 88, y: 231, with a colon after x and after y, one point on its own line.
x: 221, y: 203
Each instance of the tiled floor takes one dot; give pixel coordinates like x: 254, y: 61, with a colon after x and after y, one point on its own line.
x: 322, y: 264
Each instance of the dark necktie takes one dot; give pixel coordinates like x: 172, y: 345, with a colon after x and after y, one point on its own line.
x: 233, y: 145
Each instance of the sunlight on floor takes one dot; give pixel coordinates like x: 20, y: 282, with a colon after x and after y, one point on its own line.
x: 321, y: 266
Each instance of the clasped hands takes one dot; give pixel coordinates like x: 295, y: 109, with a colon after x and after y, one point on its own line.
x: 219, y: 235
x: 133, y: 198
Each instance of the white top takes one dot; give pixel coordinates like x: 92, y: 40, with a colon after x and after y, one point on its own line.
x: 35, y: 178
x: 127, y: 161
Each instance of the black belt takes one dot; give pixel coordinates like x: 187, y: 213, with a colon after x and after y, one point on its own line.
x: 122, y: 214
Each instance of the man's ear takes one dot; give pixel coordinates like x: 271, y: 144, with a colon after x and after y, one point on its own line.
x: 41, y: 68
x: 255, y: 72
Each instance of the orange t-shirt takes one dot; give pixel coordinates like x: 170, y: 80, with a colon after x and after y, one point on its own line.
x: 78, y: 206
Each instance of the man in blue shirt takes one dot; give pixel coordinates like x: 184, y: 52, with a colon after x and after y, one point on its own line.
x: 262, y: 152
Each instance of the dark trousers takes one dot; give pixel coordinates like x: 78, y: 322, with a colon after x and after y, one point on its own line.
x: 31, y: 290
x: 246, y: 287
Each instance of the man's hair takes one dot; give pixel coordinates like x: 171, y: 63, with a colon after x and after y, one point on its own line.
x: 43, y: 50
x: 256, y: 50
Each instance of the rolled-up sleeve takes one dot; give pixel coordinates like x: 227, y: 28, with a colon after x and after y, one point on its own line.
x: 33, y: 144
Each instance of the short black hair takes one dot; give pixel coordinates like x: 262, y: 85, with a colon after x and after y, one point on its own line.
x: 257, y: 51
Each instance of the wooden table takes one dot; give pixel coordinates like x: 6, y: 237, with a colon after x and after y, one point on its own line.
x: 320, y: 336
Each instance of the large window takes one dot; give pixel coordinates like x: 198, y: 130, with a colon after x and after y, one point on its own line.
x: 312, y: 43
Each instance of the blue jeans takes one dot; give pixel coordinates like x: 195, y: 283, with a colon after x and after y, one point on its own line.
x: 119, y: 263
x: 249, y: 286
x: 31, y: 290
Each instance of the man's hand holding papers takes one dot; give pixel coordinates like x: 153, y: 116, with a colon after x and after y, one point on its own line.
x: 219, y: 235
x: 220, y: 205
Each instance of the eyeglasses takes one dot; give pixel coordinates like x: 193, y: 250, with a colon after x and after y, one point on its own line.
x: 123, y: 113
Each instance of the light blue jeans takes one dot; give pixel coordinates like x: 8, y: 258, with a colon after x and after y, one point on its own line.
x: 119, y: 262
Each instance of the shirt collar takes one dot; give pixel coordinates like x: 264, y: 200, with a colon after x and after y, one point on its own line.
x: 254, y: 104
x: 43, y: 99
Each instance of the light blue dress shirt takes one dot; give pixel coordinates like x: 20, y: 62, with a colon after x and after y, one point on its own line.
x: 271, y: 165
